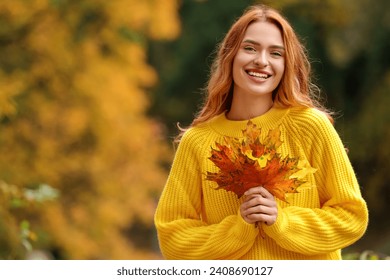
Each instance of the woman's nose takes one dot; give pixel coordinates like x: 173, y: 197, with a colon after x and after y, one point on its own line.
x: 261, y: 59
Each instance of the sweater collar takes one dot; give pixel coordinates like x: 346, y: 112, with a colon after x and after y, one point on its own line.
x: 231, y: 128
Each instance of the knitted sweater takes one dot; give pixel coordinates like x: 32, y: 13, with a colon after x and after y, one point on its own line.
x: 196, y: 221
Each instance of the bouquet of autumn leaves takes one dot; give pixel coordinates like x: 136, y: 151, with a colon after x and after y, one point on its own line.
x: 249, y: 162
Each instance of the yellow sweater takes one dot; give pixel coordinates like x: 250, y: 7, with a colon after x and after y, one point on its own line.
x: 196, y: 221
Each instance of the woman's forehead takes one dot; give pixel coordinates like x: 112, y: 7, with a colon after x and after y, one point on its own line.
x: 263, y: 33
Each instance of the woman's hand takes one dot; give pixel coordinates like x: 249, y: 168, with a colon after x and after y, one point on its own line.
x: 259, y: 206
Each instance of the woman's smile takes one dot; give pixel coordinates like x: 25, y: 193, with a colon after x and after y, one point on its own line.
x: 258, y: 75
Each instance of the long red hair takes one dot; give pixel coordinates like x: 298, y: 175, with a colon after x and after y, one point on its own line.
x: 295, y: 88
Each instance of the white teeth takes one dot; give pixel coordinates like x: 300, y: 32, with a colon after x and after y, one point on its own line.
x: 259, y: 75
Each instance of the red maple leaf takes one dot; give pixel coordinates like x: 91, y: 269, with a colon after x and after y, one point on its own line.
x: 250, y: 162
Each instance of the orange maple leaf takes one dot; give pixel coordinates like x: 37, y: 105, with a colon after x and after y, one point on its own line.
x: 250, y: 162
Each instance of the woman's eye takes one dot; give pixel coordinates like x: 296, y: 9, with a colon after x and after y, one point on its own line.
x: 276, y: 53
x: 249, y: 48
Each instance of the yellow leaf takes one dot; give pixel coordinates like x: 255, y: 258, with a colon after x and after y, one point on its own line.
x: 304, y: 169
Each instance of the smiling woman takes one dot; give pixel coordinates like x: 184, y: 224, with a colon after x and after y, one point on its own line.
x: 261, y: 73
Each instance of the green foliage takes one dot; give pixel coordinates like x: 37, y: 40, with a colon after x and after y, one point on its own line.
x: 366, y: 255
x: 17, y: 236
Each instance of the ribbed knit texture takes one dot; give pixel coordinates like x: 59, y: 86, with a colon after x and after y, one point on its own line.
x: 196, y: 221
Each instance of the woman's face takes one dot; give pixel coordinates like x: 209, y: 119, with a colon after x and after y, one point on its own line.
x: 259, y: 63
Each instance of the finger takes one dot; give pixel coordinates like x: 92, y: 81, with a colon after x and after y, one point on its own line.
x: 262, y: 209
x: 254, y: 190
x: 246, y: 214
x: 256, y: 217
x: 258, y: 214
x: 259, y: 205
x: 262, y: 214
x: 262, y: 218
x: 258, y: 190
x: 265, y: 193
x: 257, y: 199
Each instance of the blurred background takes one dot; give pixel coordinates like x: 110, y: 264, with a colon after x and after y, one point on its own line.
x: 91, y: 92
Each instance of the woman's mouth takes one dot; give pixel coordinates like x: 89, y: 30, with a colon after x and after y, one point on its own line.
x: 259, y: 75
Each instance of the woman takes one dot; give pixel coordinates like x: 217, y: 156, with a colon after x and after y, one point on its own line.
x: 261, y: 73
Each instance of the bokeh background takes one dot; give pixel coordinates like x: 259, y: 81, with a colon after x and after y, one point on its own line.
x: 91, y: 93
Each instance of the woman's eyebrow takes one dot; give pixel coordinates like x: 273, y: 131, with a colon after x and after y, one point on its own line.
x: 250, y: 41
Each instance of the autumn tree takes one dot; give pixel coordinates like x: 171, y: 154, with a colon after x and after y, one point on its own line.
x: 73, y: 78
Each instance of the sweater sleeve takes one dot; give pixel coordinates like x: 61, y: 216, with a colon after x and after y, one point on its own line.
x: 342, y: 217
x: 182, y: 233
